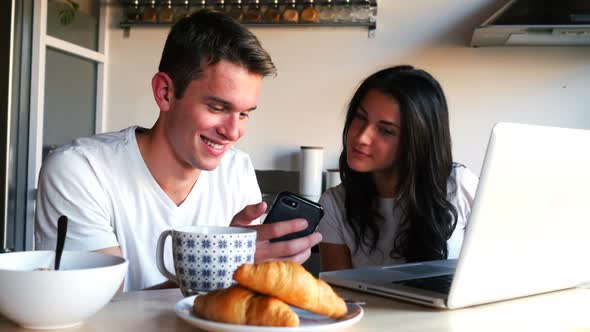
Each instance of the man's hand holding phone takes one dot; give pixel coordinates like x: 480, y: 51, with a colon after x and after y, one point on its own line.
x: 289, y: 206
x: 297, y: 250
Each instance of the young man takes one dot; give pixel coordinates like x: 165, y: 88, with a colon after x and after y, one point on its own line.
x: 121, y: 190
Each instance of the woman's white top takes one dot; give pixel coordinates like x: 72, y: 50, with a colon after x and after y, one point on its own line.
x: 335, y: 229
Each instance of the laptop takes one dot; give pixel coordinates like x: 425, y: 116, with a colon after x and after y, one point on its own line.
x: 528, y: 232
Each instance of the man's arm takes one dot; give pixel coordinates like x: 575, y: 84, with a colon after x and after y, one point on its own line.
x: 165, y: 285
x: 116, y: 251
x: 69, y: 185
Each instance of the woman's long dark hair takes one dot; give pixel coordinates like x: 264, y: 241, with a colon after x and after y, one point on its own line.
x: 424, y: 165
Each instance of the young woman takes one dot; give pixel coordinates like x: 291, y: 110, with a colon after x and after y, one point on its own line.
x: 402, y: 198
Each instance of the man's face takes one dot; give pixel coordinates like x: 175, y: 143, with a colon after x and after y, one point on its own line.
x: 211, y: 115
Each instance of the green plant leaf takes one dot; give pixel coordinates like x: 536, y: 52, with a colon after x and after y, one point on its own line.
x: 68, y: 11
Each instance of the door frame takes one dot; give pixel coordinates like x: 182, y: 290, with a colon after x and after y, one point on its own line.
x: 6, y: 48
x: 41, y: 41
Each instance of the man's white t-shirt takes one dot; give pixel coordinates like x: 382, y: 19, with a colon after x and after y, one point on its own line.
x: 335, y: 229
x: 104, y: 187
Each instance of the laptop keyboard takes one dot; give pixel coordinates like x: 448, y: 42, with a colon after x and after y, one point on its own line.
x: 439, y: 284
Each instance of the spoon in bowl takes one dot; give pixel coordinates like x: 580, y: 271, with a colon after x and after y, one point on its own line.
x: 62, y: 228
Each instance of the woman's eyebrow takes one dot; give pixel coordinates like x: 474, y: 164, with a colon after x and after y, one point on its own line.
x: 389, y: 123
x: 363, y: 109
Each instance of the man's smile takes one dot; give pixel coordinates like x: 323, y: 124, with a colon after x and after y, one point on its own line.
x: 212, y: 144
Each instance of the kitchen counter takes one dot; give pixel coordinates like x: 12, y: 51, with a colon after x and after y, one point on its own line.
x: 567, y: 310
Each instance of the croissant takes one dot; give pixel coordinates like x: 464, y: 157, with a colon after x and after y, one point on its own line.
x: 238, y: 305
x: 291, y: 283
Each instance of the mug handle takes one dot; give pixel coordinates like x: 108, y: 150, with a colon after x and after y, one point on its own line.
x: 160, y: 256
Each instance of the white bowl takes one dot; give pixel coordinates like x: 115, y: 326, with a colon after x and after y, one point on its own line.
x: 33, y: 299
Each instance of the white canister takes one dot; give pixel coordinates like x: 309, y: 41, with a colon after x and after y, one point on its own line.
x: 310, y: 170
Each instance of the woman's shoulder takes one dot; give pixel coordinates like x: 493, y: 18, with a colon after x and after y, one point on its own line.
x: 333, y: 200
x: 463, y: 185
x: 333, y: 224
x: 461, y: 173
x: 464, y: 177
x: 334, y: 195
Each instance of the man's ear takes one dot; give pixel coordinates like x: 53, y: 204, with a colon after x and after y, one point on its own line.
x: 163, y: 89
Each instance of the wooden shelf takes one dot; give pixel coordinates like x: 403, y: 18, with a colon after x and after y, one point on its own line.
x: 370, y: 25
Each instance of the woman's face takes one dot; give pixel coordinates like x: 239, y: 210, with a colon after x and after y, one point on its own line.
x: 373, y: 138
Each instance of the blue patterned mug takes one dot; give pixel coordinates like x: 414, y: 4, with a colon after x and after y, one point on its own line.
x: 205, y: 257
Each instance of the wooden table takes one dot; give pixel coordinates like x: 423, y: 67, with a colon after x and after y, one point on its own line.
x: 567, y: 310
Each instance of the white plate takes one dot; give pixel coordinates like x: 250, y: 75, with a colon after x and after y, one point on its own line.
x: 307, y: 320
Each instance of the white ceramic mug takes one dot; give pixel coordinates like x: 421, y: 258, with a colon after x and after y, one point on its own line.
x: 205, y: 257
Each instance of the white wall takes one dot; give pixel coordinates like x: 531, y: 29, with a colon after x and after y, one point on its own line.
x: 319, y: 69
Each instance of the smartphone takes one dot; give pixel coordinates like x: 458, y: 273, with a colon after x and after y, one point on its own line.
x: 289, y: 206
